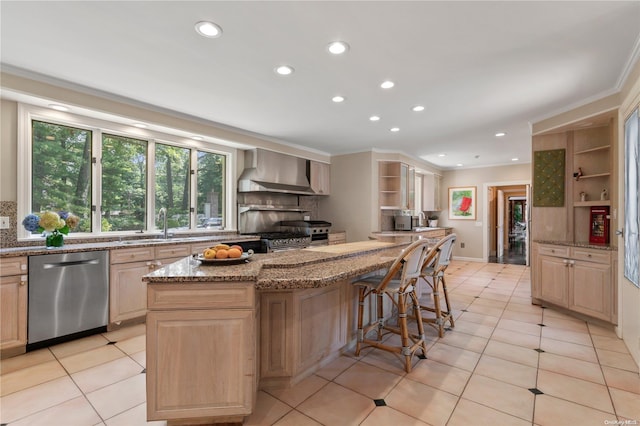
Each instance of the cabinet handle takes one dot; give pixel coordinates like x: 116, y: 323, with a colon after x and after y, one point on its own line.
x: 553, y: 251
x: 23, y: 280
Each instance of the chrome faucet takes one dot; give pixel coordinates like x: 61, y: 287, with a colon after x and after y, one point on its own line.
x: 421, y: 218
x: 163, y: 212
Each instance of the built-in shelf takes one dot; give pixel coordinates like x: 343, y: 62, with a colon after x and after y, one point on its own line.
x: 591, y: 203
x: 597, y: 148
x: 596, y: 175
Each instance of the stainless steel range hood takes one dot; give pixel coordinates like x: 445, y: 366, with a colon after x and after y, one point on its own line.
x: 268, y: 171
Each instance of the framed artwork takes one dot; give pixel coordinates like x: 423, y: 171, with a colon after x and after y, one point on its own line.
x: 462, y: 203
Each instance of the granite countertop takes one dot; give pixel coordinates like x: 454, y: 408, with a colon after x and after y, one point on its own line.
x: 115, y: 245
x: 294, y: 269
x: 583, y: 244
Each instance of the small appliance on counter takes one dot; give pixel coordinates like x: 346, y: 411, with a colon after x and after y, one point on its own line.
x: 402, y: 223
x: 599, y: 233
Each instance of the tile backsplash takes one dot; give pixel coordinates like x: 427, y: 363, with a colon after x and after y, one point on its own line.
x: 9, y: 237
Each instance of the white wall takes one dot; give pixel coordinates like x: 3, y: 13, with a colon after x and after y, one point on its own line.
x: 8, y: 150
x: 470, y: 232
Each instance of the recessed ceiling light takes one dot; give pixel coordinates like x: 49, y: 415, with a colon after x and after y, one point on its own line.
x: 515, y: 159
x: 387, y: 84
x: 284, y: 70
x: 374, y: 118
x: 140, y: 125
x: 394, y: 129
x: 58, y: 107
x: 459, y: 164
x: 337, y: 47
x: 208, y: 29
x: 418, y: 108
x: 442, y: 155
x: 197, y: 138
x: 338, y: 99
x: 500, y: 134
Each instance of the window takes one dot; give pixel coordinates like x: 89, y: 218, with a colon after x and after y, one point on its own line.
x: 116, y: 181
x: 211, y: 172
x: 61, y: 170
x: 173, y: 184
x: 124, y: 185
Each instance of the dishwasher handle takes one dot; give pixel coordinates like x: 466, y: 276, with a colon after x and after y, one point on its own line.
x: 71, y: 263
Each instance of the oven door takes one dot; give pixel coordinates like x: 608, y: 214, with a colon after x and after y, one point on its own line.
x: 319, y: 240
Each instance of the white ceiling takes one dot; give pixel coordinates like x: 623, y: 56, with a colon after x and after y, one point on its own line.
x: 477, y: 67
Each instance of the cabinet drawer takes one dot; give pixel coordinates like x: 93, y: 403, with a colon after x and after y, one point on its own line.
x: 200, y: 296
x: 132, y: 255
x: 172, y: 251
x: 558, y: 251
x: 13, y: 266
x: 337, y: 236
x: 591, y: 255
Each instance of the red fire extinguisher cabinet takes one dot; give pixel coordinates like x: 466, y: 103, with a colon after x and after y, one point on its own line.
x: 599, y: 233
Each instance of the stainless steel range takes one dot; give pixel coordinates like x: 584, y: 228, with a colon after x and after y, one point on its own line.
x: 318, y: 230
x: 281, y: 241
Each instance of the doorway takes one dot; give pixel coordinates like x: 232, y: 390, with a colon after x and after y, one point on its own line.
x: 508, y: 223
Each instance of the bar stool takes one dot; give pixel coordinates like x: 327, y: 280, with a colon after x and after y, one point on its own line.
x: 434, y: 267
x: 399, y: 285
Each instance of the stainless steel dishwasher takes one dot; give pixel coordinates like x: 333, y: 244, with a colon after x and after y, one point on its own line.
x: 68, y: 294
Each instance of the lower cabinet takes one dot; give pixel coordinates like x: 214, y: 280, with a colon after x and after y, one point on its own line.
x: 201, y: 352
x: 339, y: 237
x: 13, y: 305
x: 127, y: 291
x: 579, y: 279
x: 300, y: 329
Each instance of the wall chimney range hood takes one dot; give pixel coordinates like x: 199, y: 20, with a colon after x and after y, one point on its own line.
x: 268, y: 171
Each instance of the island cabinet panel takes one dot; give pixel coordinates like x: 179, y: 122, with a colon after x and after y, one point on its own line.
x: 301, y: 330
x: 201, y: 357
x: 13, y: 306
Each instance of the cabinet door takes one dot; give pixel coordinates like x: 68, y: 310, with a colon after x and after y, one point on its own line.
x: 404, y: 186
x: 554, y: 279
x: 127, y: 291
x: 320, y: 177
x: 590, y: 289
x: 428, y: 193
x: 189, y: 376
x: 13, y: 311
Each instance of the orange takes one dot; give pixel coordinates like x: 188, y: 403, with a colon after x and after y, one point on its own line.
x: 237, y: 247
x: 222, y: 254
x: 234, y: 252
x: 209, y: 254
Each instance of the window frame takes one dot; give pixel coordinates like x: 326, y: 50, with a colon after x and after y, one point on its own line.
x: 98, y: 127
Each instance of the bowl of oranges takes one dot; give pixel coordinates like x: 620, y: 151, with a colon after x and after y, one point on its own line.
x: 223, y: 254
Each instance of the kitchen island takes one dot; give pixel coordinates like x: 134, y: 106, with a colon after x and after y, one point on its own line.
x: 216, y: 334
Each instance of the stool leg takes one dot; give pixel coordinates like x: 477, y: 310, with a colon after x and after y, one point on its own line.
x: 380, y: 310
x: 360, y: 337
x: 436, y: 306
x: 404, y: 331
x: 416, y: 313
x: 446, y: 300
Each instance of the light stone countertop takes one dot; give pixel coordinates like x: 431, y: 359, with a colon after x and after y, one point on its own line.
x: 293, y: 269
x: 583, y: 244
x: 128, y: 243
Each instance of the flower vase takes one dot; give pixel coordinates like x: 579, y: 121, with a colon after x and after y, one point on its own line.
x: 54, y: 239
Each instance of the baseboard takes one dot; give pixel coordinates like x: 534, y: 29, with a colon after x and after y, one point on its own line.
x: 469, y: 259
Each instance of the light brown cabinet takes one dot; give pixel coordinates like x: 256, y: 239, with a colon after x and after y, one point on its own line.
x: 337, y: 237
x: 431, y: 188
x: 299, y: 330
x: 396, y: 186
x: 320, y: 177
x: 127, y: 291
x: 13, y: 305
x: 576, y: 278
x: 192, y: 379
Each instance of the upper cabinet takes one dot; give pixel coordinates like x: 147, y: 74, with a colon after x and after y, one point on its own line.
x: 396, y: 186
x: 320, y: 177
x: 431, y: 192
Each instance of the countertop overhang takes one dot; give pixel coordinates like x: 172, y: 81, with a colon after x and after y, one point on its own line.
x: 295, y: 269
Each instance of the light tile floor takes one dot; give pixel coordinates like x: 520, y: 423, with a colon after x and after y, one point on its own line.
x: 506, y: 362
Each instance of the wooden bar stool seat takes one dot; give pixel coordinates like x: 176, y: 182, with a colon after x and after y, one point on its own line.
x: 398, y: 284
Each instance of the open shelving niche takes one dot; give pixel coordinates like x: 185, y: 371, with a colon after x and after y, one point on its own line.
x: 592, y: 153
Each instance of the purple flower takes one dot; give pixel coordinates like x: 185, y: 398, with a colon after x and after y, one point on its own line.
x: 31, y: 222
x: 63, y: 215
